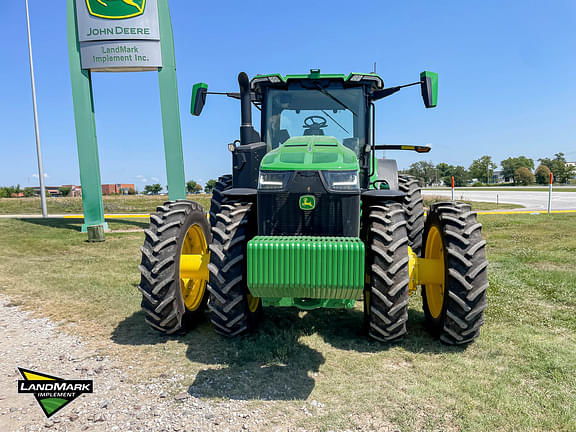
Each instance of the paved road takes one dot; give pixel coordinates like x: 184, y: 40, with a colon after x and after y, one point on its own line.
x: 530, y: 200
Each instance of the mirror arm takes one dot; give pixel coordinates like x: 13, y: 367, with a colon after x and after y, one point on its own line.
x: 234, y: 95
x: 380, y: 94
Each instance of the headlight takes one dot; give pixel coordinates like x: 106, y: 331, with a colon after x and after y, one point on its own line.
x: 342, y: 180
x: 269, y: 180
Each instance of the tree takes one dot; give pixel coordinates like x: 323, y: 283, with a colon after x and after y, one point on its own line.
x: 132, y: 191
x: 193, y: 187
x: 28, y: 192
x: 561, y: 171
x: 482, y: 168
x: 209, y: 187
x: 445, y: 171
x: 10, y: 191
x: 461, y: 176
x: 153, y: 189
x: 542, y: 174
x: 523, y: 176
x: 65, y: 191
x: 423, y: 171
x: 510, y: 165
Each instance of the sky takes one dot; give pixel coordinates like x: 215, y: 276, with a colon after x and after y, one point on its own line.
x: 506, y: 81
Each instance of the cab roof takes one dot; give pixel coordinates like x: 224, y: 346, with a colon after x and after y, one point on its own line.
x: 371, y: 79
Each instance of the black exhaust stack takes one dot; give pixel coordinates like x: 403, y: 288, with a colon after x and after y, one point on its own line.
x: 247, y: 133
x: 247, y: 156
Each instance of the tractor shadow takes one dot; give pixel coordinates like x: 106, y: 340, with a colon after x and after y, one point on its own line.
x: 60, y: 223
x: 273, y: 363
x: 75, y: 224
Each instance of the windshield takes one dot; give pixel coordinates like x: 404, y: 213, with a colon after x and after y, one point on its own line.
x: 336, y: 112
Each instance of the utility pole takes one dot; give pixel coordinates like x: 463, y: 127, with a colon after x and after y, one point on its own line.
x: 36, y: 127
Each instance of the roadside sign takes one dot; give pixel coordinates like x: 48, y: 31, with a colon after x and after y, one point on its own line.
x: 119, y: 35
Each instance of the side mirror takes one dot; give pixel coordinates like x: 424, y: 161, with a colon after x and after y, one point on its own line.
x: 199, y: 92
x: 429, y: 86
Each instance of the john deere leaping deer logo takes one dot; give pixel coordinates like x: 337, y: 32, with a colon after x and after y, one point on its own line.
x: 307, y: 202
x: 116, y: 9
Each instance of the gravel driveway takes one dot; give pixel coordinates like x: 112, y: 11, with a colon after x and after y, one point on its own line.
x: 118, y: 403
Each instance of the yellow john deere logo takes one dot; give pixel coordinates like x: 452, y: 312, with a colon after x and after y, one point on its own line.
x: 116, y: 9
x: 307, y: 202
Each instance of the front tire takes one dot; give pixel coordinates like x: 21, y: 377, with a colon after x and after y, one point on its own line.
x: 233, y: 310
x: 386, y: 300
x: 173, y: 297
x: 454, y: 310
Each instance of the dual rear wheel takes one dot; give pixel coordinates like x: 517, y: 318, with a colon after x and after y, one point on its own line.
x: 190, y: 259
x: 454, y: 308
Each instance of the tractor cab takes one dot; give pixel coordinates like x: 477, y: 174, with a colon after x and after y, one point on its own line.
x: 315, y: 104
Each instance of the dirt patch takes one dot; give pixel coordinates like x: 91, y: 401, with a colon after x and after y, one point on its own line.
x: 119, y: 402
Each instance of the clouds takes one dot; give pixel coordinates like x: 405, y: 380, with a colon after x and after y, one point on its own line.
x: 37, y: 176
x: 146, y: 179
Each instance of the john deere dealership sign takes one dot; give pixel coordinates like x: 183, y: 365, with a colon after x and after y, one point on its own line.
x: 119, y: 35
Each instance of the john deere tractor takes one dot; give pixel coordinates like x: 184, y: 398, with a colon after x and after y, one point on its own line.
x: 311, y: 218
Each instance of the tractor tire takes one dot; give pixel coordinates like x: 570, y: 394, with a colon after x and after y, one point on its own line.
x: 386, y: 300
x: 223, y: 184
x: 414, y: 208
x: 454, y: 311
x: 169, y: 302
x: 233, y: 311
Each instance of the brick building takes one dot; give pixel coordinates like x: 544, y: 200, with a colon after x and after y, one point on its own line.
x: 117, y: 189
x: 75, y: 191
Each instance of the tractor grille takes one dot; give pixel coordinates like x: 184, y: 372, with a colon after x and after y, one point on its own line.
x: 336, y: 214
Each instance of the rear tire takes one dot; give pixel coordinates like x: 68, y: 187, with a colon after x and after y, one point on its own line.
x: 223, y: 184
x: 160, y: 284
x: 463, y: 299
x: 414, y: 208
x: 233, y: 311
x: 386, y: 301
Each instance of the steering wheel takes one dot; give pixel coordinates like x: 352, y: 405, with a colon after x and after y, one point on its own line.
x: 311, y: 123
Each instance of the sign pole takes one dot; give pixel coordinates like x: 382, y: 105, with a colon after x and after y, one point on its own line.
x: 36, y: 125
x: 452, y: 188
x: 85, y: 129
x: 170, y: 107
x: 550, y: 193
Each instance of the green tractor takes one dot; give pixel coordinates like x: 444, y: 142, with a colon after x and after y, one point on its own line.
x: 311, y: 218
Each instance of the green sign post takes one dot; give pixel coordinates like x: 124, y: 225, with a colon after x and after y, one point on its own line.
x: 132, y: 46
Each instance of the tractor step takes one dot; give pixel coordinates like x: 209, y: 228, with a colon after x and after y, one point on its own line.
x: 306, y: 267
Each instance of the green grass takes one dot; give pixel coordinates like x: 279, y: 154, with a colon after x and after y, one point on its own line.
x: 112, y: 204
x: 146, y: 204
x: 519, y: 375
x: 476, y: 205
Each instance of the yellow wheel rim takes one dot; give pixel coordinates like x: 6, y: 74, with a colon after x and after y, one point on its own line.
x: 253, y: 302
x: 194, y: 259
x: 435, y: 292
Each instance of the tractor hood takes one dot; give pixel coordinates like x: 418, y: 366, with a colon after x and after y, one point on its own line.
x: 313, y: 153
